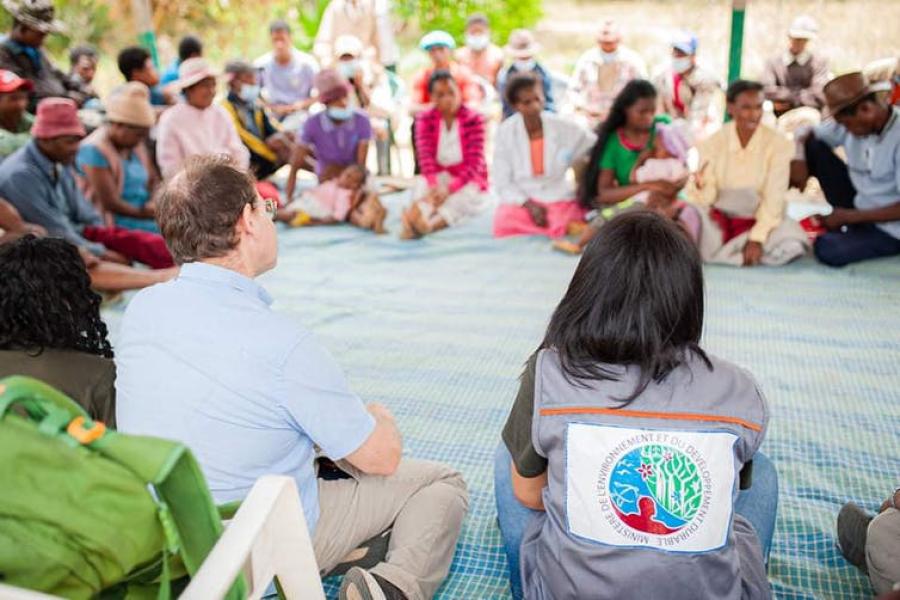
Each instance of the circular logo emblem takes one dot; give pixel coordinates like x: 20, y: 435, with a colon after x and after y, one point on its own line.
x: 655, y: 489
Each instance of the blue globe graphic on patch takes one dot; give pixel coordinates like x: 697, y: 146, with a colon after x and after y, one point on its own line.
x: 656, y: 489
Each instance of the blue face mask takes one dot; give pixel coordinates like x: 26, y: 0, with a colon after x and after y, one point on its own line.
x: 348, y: 68
x: 249, y: 93
x: 339, y: 113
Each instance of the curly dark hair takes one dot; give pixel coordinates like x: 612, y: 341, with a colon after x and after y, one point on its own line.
x: 46, y: 299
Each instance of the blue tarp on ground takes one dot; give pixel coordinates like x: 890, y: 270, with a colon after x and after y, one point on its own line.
x: 439, y: 329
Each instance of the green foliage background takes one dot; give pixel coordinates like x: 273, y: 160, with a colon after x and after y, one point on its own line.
x: 450, y: 15
x: 238, y: 26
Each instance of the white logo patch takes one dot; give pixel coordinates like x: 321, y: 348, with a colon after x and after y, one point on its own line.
x: 664, y: 489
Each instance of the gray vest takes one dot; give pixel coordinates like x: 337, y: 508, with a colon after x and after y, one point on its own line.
x: 639, y: 500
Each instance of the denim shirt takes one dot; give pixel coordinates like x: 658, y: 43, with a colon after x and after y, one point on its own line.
x: 45, y: 193
x: 873, y: 162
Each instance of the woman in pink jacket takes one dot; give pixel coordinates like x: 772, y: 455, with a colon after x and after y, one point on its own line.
x: 450, y: 150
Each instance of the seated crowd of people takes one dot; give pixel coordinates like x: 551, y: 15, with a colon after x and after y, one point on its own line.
x: 179, y: 188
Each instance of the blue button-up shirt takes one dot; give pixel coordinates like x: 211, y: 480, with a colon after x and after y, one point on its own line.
x: 45, y: 193
x: 205, y: 361
x: 873, y: 162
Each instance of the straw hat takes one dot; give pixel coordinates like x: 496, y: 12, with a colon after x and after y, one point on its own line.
x: 521, y: 44
x: 37, y: 14
x: 193, y: 71
x: 130, y: 105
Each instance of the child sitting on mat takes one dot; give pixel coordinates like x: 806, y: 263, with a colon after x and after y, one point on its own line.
x: 343, y: 198
x: 665, y: 160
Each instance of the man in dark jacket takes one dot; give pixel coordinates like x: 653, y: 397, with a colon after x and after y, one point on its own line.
x: 21, y: 52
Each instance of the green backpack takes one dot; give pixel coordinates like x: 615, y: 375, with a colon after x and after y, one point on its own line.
x: 86, y: 512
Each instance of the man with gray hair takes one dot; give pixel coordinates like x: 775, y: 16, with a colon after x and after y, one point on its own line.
x: 204, y: 360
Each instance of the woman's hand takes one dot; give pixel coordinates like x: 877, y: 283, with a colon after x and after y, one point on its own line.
x: 665, y: 188
x: 148, y: 211
x: 699, y: 179
x: 753, y: 252
x: 537, y: 212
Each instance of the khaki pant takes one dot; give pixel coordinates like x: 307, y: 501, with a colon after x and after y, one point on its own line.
x: 424, y: 501
x: 883, y: 550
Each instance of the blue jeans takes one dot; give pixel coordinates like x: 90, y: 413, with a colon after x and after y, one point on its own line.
x: 855, y: 243
x: 757, y: 504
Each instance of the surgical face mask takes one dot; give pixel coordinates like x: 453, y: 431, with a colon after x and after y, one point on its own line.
x: 683, y: 64
x: 339, y: 113
x: 249, y: 93
x: 609, y: 57
x: 348, y: 68
x: 478, y: 42
x: 525, y: 65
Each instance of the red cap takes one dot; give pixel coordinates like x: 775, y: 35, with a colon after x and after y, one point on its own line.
x: 57, y: 117
x: 10, y: 82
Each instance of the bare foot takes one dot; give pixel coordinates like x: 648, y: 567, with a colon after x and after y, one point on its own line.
x: 407, y: 232
x: 417, y: 221
x: 379, y: 221
x: 575, y: 228
x: 567, y: 247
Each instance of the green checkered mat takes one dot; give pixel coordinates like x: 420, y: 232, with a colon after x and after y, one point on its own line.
x: 439, y: 329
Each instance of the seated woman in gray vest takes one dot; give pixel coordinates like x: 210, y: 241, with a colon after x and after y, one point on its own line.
x: 626, y: 459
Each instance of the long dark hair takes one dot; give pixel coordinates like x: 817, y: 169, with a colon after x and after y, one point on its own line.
x: 634, y: 90
x: 46, y: 299
x: 636, y: 299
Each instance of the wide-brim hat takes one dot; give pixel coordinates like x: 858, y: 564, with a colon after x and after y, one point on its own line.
x: 37, y: 14
x: 57, y: 117
x: 193, y: 71
x: 521, y: 44
x: 130, y: 105
x: 10, y: 82
x: 846, y: 90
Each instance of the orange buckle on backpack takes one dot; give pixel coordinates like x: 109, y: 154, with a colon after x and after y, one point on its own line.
x: 85, y: 436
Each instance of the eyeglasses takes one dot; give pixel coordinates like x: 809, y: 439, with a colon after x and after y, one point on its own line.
x: 271, y: 208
